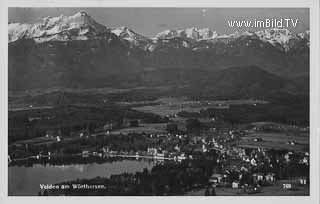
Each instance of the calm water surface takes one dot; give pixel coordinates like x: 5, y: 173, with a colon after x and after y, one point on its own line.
x: 27, y: 180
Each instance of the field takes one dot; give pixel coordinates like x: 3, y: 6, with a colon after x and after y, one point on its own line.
x: 171, y: 106
x: 277, y: 140
x: 157, y: 128
x: 36, y: 141
x: 95, y: 96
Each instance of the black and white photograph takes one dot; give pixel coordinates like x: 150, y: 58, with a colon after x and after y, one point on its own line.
x: 158, y: 101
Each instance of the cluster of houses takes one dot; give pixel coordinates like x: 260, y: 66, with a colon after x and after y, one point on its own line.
x: 162, y: 154
x: 223, y: 180
x: 56, y: 135
x: 291, y: 142
x: 249, y: 160
x: 151, y: 153
x: 259, y: 179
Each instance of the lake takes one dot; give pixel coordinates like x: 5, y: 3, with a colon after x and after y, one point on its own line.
x: 27, y: 180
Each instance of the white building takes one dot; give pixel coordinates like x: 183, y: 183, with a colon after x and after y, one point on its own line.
x: 235, y: 184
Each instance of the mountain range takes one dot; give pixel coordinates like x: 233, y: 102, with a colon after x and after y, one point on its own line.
x: 78, y: 52
x: 81, y: 26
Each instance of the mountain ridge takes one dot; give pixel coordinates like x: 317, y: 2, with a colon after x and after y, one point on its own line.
x: 87, y: 27
x: 79, y: 26
x: 76, y: 51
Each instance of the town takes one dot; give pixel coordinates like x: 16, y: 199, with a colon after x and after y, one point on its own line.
x: 241, y: 161
x: 157, y: 102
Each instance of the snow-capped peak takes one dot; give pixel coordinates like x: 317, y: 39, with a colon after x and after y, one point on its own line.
x: 280, y: 38
x: 79, y: 27
x: 18, y: 31
x: 193, y: 33
x: 206, y: 33
x: 277, y: 36
x: 120, y: 31
x: 128, y: 34
x: 167, y: 34
x: 131, y: 36
x: 305, y: 35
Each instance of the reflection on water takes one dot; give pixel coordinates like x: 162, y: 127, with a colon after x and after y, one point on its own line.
x: 27, y: 180
x: 76, y: 167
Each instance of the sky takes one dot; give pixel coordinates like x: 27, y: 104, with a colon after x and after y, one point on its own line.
x: 150, y: 21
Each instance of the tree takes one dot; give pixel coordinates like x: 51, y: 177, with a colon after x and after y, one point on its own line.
x: 207, y: 193
x: 213, y: 192
x: 45, y: 193
x: 172, y: 128
x: 134, y: 123
x: 193, y: 125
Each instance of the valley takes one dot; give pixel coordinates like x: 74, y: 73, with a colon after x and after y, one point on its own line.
x: 186, y: 112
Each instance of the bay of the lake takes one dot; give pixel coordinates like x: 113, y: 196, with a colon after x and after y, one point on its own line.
x: 26, y: 181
